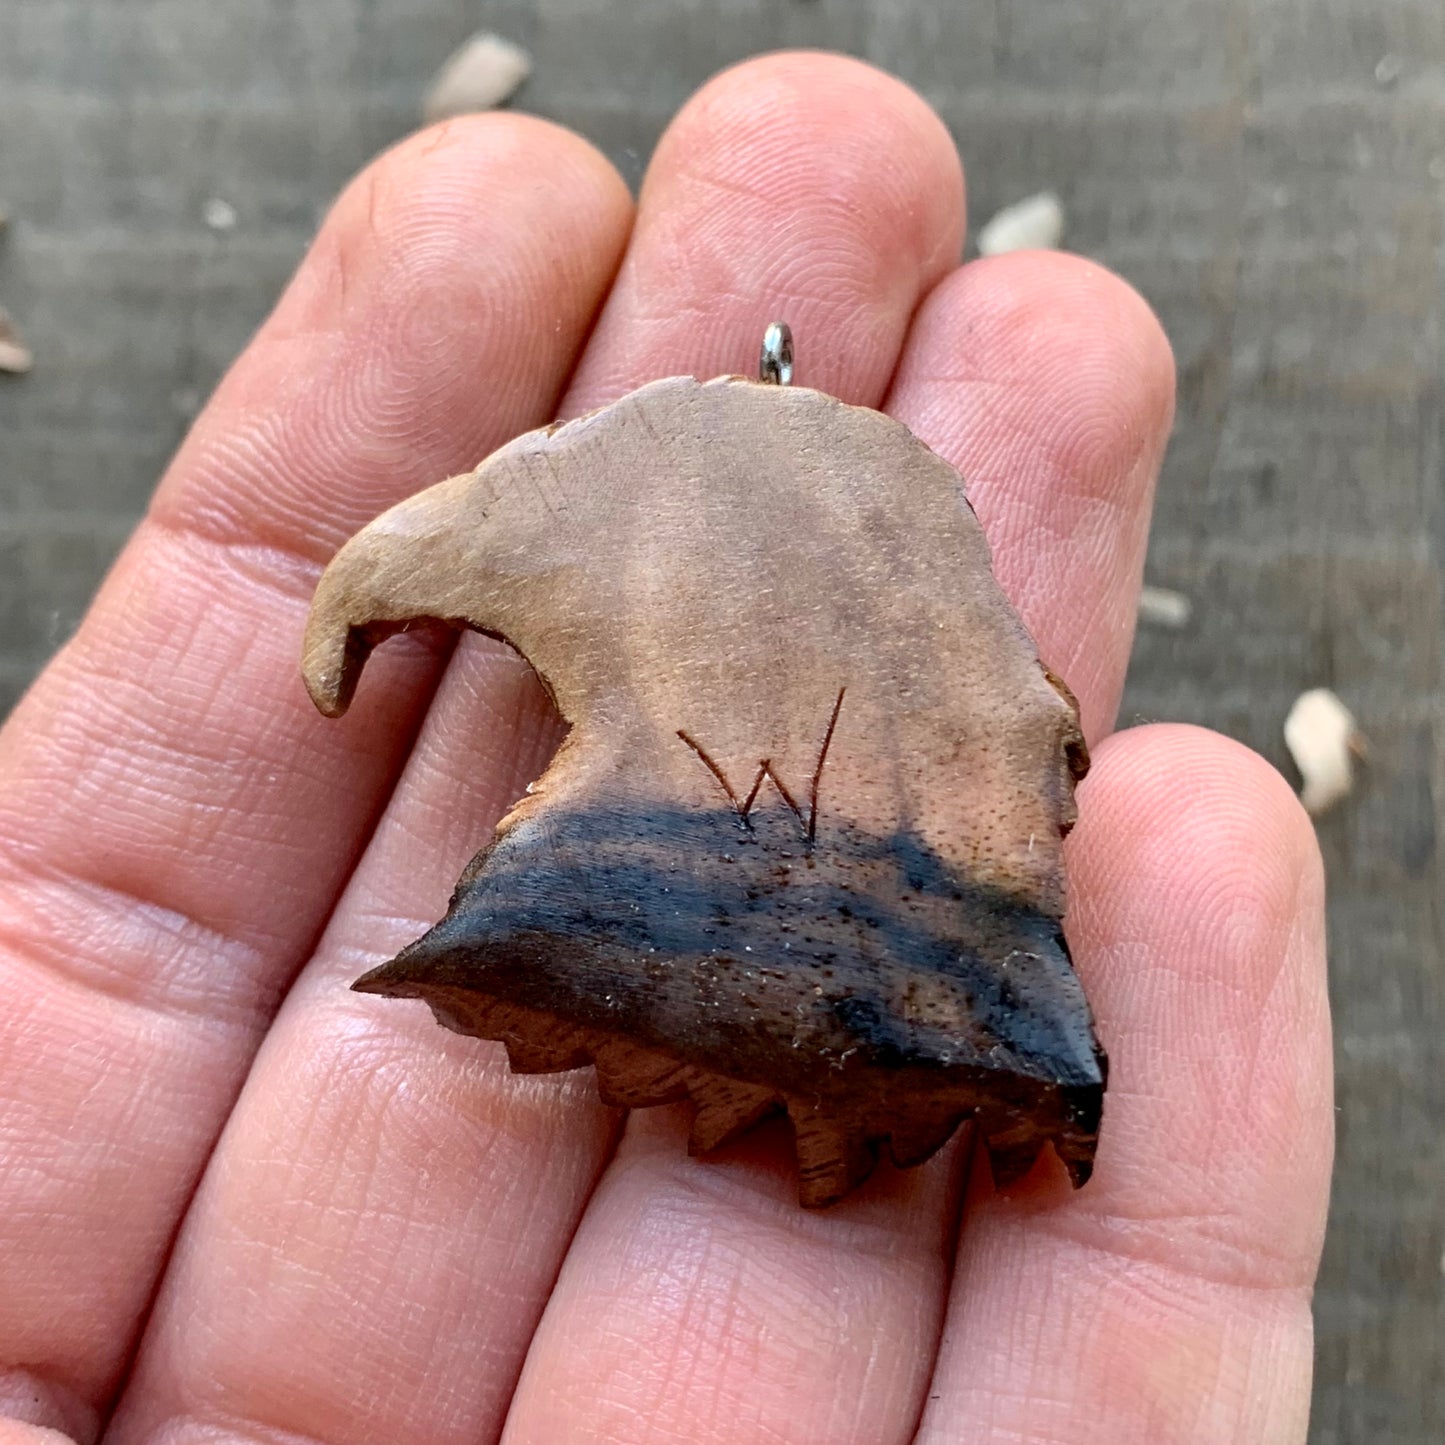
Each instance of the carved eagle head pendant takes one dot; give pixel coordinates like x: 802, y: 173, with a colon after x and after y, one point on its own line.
x: 801, y: 849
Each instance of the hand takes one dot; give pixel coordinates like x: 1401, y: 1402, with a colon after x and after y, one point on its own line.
x: 356, y: 1227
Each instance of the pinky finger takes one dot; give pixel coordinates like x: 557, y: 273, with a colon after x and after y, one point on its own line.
x: 1168, y: 1300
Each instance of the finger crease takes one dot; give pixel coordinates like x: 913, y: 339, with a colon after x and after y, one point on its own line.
x: 204, y: 951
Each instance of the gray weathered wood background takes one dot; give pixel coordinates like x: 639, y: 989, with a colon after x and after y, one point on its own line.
x: 1271, y: 173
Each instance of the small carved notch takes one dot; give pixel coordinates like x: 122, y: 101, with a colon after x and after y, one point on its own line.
x: 744, y: 806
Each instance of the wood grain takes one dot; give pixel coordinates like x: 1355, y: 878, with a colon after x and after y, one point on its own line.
x: 802, y: 846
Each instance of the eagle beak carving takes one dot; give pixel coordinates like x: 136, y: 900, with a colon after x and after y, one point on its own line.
x: 802, y: 850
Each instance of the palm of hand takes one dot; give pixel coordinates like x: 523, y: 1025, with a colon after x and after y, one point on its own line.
x: 393, y: 1238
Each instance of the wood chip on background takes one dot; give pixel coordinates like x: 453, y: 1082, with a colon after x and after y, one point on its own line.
x: 1034, y: 224
x: 1159, y: 607
x: 1324, y: 740
x: 485, y: 73
x: 15, y: 357
x: 219, y: 214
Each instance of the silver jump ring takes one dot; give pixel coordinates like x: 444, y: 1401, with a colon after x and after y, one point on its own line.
x: 775, y: 363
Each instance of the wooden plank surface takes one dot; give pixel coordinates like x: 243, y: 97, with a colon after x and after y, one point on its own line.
x: 1271, y: 173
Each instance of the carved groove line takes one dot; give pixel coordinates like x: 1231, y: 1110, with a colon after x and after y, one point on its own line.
x: 818, y: 771
x: 744, y: 806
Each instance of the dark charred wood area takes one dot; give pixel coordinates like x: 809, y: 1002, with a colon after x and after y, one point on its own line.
x: 863, y: 975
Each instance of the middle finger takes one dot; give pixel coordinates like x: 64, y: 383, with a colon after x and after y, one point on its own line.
x: 388, y: 1209
x: 697, y: 1295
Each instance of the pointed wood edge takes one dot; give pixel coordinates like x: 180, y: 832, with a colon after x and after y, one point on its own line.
x: 833, y: 1159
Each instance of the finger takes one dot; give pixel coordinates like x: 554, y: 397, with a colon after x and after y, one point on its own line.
x: 1168, y: 1300
x: 14, y: 1432
x: 175, y: 822
x: 696, y: 1293
x: 804, y: 188
x: 1049, y: 383
x: 399, y: 1311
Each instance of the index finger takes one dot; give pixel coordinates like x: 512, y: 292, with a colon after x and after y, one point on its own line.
x: 175, y: 820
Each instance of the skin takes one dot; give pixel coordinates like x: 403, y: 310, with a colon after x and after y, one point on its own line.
x: 243, y: 1204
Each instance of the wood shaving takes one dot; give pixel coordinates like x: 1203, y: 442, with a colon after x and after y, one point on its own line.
x: 1159, y: 607
x: 15, y: 356
x: 1323, y: 740
x: 1388, y: 69
x: 485, y: 73
x: 1035, y: 224
x: 219, y: 214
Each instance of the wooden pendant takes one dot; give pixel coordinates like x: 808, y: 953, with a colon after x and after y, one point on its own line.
x: 801, y: 849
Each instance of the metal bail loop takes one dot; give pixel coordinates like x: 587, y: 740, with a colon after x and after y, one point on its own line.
x: 775, y: 363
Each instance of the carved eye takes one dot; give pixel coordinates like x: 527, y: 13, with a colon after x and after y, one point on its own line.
x: 802, y: 851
